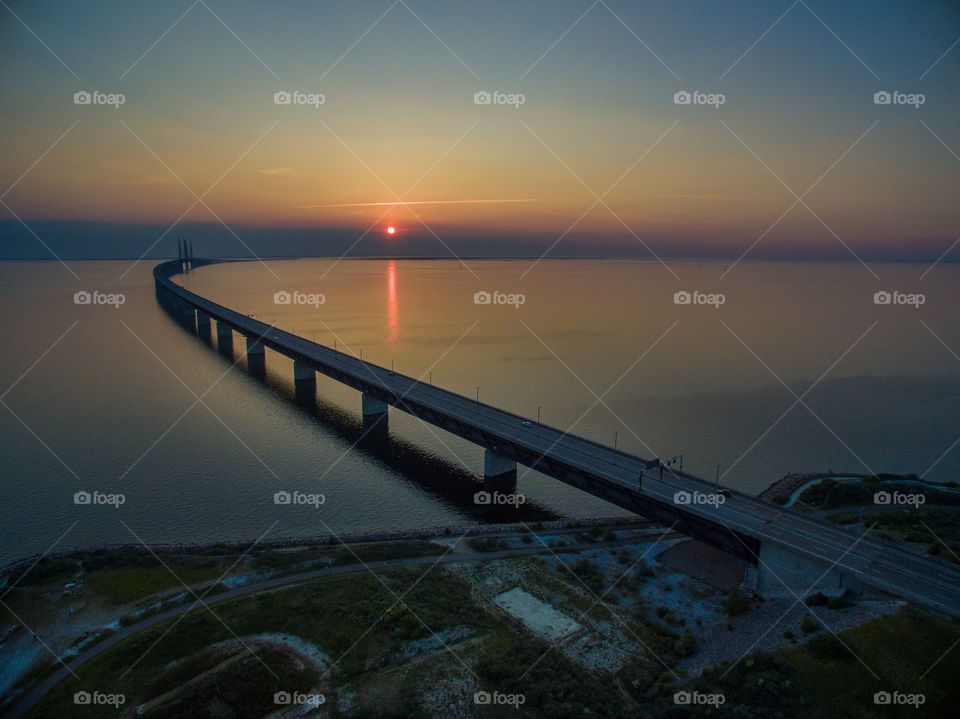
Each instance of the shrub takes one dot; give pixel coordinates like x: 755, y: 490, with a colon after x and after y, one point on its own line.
x: 809, y: 625
x: 686, y: 645
x: 735, y: 603
x: 816, y: 600
x: 841, y: 602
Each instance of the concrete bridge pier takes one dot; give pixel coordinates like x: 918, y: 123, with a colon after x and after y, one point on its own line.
x: 304, y: 382
x: 256, y: 357
x: 224, y: 338
x: 372, y: 408
x: 203, y: 325
x: 183, y: 313
x: 499, y: 472
x: 782, y: 573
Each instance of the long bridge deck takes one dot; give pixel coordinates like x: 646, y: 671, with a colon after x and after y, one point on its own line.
x: 791, y: 552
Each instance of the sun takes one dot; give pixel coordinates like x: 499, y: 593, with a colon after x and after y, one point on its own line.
x: 391, y: 230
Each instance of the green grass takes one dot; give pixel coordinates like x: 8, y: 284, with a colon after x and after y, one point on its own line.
x: 899, y: 650
x: 120, y: 586
x: 941, y: 524
x: 333, y: 612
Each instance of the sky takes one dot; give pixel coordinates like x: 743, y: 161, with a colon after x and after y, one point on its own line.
x: 585, y: 152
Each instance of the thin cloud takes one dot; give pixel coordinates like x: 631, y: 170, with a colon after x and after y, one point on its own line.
x: 280, y: 172
x: 421, y: 202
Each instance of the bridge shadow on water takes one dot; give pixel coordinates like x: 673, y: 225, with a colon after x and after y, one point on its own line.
x: 445, y: 481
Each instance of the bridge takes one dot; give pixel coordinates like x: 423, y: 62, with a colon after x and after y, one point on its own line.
x: 784, y: 552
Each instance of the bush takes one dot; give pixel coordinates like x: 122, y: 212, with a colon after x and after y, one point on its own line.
x: 809, y: 625
x: 816, y: 600
x: 590, y: 574
x: 841, y: 602
x: 686, y: 645
x: 735, y: 603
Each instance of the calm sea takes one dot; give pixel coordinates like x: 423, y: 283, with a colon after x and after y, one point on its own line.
x: 777, y: 367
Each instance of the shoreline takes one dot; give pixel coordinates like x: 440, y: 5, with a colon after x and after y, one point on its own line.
x: 383, y: 535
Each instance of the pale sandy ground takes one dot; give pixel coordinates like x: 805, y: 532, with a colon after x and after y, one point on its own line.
x: 539, y: 617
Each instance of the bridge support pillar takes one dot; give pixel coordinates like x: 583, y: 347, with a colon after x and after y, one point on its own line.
x: 304, y: 383
x: 184, y: 314
x: 782, y: 573
x: 203, y: 325
x: 372, y: 407
x: 498, y: 468
x: 304, y: 375
x: 254, y: 346
x: 224, y: 338
x: 256, y: 357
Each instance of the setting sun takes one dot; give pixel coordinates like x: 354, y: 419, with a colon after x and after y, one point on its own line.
x: 391, y: 230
